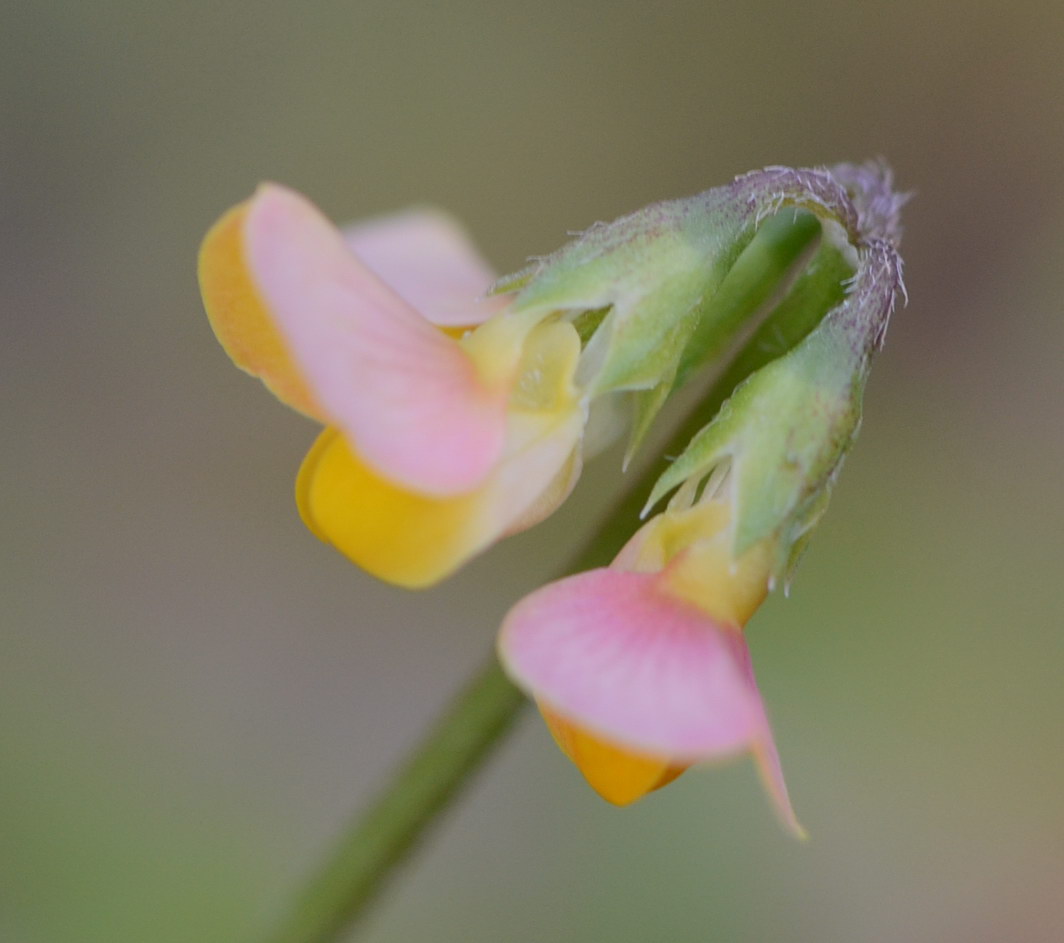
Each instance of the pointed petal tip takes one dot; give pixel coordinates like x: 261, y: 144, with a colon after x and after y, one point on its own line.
x: 770, y: 772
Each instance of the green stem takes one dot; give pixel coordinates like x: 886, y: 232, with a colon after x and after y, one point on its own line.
x: 380, y: 840
x: 387, y: 833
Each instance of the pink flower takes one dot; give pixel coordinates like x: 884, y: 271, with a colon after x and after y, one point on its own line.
x: 448, y: 422
x: 641, y: 668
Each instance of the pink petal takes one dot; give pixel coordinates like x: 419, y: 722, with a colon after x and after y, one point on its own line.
x: 406, y: 394
x: 427, y: 259
x: 611, y: 652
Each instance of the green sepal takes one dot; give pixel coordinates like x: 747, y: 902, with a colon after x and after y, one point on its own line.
x: 786, y: 428
x: 782, y: 433
x: 756, y: 276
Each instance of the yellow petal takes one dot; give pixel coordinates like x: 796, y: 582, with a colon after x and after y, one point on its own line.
x: 617, y: 774
x: 728, y: 590
x: 692, y: 549
x: 397, y: 535
x: 239, y: 318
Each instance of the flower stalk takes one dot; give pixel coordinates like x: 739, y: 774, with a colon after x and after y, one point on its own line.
x: 342, y: 890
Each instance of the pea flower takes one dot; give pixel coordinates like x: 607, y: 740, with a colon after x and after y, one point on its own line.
x: 640, y: 668
x: 446, y: 426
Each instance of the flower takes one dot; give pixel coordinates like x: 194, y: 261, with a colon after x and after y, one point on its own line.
x: 640, y: 669
x: 448, y: 424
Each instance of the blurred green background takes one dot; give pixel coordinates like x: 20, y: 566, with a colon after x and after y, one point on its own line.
x: 196, y: 694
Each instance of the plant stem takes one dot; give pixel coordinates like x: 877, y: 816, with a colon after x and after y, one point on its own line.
x: 385, y: 835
